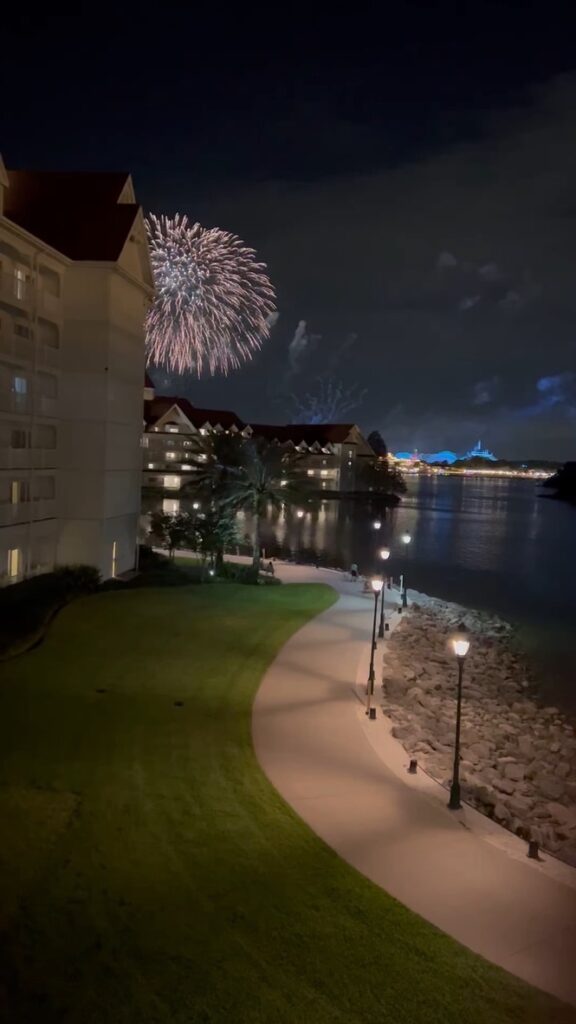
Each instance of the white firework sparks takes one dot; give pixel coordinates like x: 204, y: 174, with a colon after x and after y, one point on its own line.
x: 213, y: 302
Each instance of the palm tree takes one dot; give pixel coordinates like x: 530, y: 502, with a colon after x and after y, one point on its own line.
x: 262, y: 476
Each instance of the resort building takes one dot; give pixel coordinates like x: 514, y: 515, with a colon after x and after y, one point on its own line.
x: 332, y: 455
x: 75, y: 283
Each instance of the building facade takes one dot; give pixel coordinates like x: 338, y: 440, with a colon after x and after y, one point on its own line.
x: 75, y: 282
x: 330, y: 456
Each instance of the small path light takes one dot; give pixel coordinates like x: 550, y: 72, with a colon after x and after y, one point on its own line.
x: 377, y: 584
x: 460, y: 646
x: 533, y: 849
x: 384, y: 555
x: 406, y: 539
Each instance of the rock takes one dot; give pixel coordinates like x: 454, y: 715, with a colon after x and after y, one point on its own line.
x: 395, y: 688
x: 504, y: 785
x: 519, y: 805
x: 553, y: 789
x: 407, y: 734
x: 501, y: 812
x: 486, y: 796
x: 409, y: 675
x: 563, y: 770
x: 516, y: 772
x: 565, y: 815
x: 414, y: 694
x: 526, y: 747
x: 479, y: 752
x: 554, y: 747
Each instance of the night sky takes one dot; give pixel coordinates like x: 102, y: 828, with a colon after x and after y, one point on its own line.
x: 410, y: 183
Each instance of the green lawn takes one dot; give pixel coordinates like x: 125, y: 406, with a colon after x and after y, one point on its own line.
x: 149, y: 872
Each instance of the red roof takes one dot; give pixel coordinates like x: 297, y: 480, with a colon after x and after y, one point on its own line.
x: 76, y: 213
x: 309, y: 434
x: 158, y: 407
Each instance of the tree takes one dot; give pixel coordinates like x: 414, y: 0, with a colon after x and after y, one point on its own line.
x: 214, y: 532
x: 262, y: 476
x: 172, y: 532
x: 379, y: 476
x: 377, y: 443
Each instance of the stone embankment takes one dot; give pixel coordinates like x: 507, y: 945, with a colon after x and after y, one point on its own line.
x: 518, y: 758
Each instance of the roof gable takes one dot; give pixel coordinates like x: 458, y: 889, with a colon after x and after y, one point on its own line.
x: 82, y: 215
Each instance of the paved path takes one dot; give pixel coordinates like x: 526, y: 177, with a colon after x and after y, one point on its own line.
x: 346, y: 778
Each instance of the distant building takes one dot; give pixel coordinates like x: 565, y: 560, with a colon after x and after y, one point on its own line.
x: 448, y: 457
x: 478, y: 452
x: 331, y: 453
x: 75, y: 282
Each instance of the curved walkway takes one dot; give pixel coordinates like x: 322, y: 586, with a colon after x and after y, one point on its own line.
x: 346, y: 778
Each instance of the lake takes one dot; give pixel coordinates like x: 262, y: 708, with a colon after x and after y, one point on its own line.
x: 486, y: 543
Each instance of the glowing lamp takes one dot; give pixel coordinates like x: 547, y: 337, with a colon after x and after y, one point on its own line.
x: 210, y: 572
x: 377, y: 584
x: 385, y: 553
x: 196, y: 505
x: 460, y: 643
x: 406, y: 538
x: 300, y: 513
x: 377, y: 524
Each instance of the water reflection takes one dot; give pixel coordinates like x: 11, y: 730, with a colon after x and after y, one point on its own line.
x: 488, y: 543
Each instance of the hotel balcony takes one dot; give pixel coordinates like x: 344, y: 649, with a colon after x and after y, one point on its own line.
x: 20, y: 350
x: 15, y: 290
x: 27, y: 511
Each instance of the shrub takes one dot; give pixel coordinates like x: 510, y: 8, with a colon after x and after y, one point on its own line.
x: 73, y: 580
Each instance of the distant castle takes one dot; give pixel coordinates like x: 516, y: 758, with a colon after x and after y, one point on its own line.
x: 478, y: 452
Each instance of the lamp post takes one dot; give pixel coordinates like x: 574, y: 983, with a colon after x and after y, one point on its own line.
x: 384, y: 555
x: 377, y: 584
x: 406, y: 539
x: 460, y: 646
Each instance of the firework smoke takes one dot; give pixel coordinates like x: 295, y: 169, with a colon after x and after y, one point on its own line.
x: 213, y: 301
x: 329, y: 403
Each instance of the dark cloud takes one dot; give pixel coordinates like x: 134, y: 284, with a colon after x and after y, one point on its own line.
x: 453, y: 269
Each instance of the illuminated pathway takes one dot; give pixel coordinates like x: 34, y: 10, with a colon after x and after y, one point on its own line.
x: 346, y: 778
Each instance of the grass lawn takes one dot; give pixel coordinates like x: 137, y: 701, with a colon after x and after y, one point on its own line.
x: 149, y: 872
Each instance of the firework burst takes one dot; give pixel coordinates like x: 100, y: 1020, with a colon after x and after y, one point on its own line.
x: 329, y: 403
x: 214, y: 303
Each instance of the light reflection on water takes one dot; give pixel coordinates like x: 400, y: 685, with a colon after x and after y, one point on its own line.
x: 487, y: 543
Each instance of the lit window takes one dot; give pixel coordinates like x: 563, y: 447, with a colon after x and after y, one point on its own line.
x: 114, y: 553
x: 13, y: 562
x: 15, y: 492
x: 323, y: 472
x: 170, y: 455
x: 283, y: 483
x: 203, y: 431
x: 170, y: 429
x: 19, y: 282
x: 171, y: 506
x: 310, y: 472
x: 323, y: 483
x: 20, y: 385
x: 172, y: 482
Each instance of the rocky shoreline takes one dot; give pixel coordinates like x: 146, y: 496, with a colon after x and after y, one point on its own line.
x: 518, y: 758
